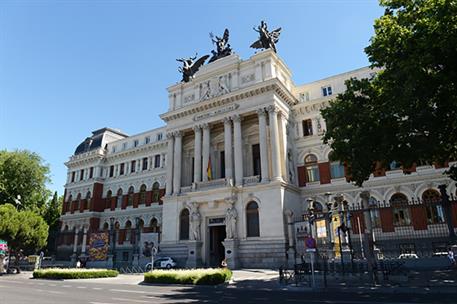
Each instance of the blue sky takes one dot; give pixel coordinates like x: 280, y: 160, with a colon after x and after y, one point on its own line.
x: 70, y: 67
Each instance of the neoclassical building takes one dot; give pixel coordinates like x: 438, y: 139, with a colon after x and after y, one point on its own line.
x: 238, y: 159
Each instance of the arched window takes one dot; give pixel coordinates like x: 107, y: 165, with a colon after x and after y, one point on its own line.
x: 105, y: 227
x: 155, y: 225
x: 128, y: 230
x: 69, y: 205
x: 252, y: 219
x: 119, y: 198
x: 141, y: 225
x: 184, y: 225
x: 312, y: 170
x: 130, y: 197
x: 399, y: 203
x: 109, y: 194
x: 88, y: 200
x: 142, y: 194
x: 155, y: 192
x: 432, y: 199
x: 117, y: 229
x: 336, y: 168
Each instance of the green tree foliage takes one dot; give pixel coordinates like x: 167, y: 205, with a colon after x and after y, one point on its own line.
x: 23, y: 230
x: 51, y: 214
x: 407, y: 111
x: 23, y: 174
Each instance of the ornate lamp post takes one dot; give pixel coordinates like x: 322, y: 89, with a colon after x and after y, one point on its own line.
x: 112, y: 244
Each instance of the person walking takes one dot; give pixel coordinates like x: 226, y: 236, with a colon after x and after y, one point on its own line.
x: 450, y: 256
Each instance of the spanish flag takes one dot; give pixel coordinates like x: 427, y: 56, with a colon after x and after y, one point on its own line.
x: 208, y: 170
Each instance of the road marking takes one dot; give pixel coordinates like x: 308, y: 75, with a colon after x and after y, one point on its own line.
x: 53, y: 285
x: 96, y: 288
x: 100, y: 303
x: 130, y: 291
x: 81, y: 287
x: 66, y: 286
x: 130, y: 300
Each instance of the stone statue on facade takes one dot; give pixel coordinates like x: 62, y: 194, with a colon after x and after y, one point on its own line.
x: 190, y: 66
x: 195, y: 221
x: 267, y: 39
x: 230, y: 220
x: 222, y: 46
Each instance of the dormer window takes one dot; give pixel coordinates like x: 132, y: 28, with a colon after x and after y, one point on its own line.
x: 147, y: 140
x: 327, y: 91
x: 135, y: 143
x: 159, y: 136
x: 304, y: 96
x: 124, y: 146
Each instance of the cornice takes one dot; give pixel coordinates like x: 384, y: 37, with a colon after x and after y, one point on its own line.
x: 272, y: 85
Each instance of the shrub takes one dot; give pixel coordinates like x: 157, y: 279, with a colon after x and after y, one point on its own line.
x: 72, y: 273
x: 209, y: 276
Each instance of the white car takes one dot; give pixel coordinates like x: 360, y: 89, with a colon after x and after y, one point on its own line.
x: 162, y: 262
x: 408, y: 256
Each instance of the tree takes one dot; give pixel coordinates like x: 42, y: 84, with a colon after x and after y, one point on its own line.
x: 23, y: 175
x: 23, y: 230
x: 407, y: 112
x: 51, y: 215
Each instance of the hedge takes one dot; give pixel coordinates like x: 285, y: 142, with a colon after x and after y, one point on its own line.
x: 210, y: 276
x: 73, y: 273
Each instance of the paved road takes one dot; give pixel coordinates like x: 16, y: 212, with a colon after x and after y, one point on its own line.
x: 21, y: 289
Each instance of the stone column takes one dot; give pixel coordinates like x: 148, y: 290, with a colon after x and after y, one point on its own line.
x: 75, y: 241
x: 198, y: 154
x: 238, y: 143
x: 83, y: 246
x: 228, y: 150
x: 283, y: 141
x: 290, y: 231
x: 274, y: 143
x: 170, y: 149
x: 177, y: 161
x: 263, y: 146
x: 205, y: 151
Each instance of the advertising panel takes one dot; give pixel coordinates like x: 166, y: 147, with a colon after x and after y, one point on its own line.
x: 98, y: 246
x: 147, y: 242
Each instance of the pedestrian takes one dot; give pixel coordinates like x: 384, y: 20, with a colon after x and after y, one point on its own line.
x: 450, y: 256
x: 78, y: 264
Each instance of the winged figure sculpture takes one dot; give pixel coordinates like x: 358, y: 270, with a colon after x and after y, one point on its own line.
x: 267, y: 39
x: 222, y: 46
x: 190, y: 66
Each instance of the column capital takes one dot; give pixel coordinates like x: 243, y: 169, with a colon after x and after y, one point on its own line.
x: 261, y: 112
x: 197, y: 128
x: 272, y: 109
x: 365, y: 195
x: 204, y: 126
x: 236, y: 118
x: 227, y: 120
x: 177, y: 133
x: 169, y: 135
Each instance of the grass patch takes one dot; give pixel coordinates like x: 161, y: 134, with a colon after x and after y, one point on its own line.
x: 211, y: 276
x: 73, y: 273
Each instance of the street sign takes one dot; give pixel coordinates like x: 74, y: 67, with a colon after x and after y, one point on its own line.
x: 310, y: 243
x: 3, y: 247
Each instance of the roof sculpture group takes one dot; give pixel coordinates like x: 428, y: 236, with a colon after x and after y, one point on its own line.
x: 266, y: 40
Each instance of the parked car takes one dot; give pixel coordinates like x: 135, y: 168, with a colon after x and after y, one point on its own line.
x: 162, y: 263
x: 408, y: 256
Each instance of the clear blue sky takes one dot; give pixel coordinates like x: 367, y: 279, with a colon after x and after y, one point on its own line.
x: 70, y: 67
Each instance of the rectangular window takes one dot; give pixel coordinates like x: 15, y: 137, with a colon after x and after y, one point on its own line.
x: 124, y: 146
x: 121, y: 169
x: 145, y: 164
x: 336, y: 170
x: 147, y: 140
x: 125, y: 254
x: 307, y: 127
x: 132, y: 166
x: 157, y: 161
x: 401, y: 216
x: 375, y: 218
x: 135, y: 143
x: 81, y: 174
x: 91, y: 172
x: 222, y: 162
x: 111, y: 171
x: 327, y: 91
x: 435, y: 214
x: 73, y: 176
x: 256, y: 159
x: 312, y: 173
x: 159, y: 136
x: 113, y: 149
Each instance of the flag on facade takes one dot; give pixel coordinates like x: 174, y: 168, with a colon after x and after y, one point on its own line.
x: 209, y: 174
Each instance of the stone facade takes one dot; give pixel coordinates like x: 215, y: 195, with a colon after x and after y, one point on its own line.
x: 240, y: 155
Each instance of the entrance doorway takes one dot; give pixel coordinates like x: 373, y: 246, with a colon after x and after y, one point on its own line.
x: 216, y: 248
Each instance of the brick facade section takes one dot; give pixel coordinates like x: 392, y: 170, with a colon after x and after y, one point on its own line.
x: 301, y: 176
x: 324, y: 172
x: 97, y: 203
x: 356, y: 218
x: 419, y: 217
x: 387, y: 219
